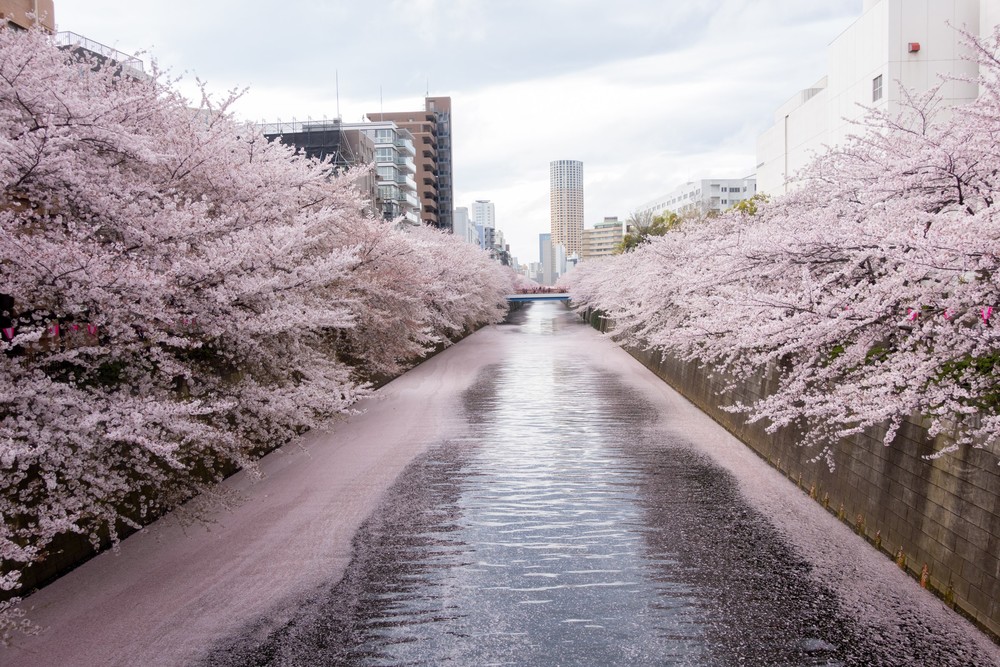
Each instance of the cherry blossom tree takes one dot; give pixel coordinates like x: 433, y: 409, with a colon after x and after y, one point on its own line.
x: 870, y: 289
x: 179, y: 295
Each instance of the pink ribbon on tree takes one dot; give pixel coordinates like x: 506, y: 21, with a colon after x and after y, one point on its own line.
x: 9, y: 333
x: 92, y: 329
x: 54, y: 330
x: 74, y: 327
x: 987, y: 312
x: 912, y: 314
x: 947, y: 313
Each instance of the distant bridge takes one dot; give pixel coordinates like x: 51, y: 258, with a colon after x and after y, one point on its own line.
x: 556, y: 296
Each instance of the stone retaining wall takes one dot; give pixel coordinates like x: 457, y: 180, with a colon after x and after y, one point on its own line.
x: 938, y: 518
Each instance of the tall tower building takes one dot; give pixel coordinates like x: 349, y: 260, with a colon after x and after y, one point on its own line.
x: 566, y: 204
x: 431, y: 130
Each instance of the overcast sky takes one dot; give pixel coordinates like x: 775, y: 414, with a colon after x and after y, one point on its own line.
x: 647, y: 93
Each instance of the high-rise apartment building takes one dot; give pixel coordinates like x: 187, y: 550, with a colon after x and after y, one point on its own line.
x: 396, y: 188
x: 391, y: 188
x: 895, y: 43
x: 566, y: 205
x: 431, y: 130
x: 484, y: 215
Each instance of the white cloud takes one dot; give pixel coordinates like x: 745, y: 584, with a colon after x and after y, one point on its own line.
x: 647, y: 93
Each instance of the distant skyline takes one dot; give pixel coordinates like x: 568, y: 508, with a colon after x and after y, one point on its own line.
x: 646, y: 94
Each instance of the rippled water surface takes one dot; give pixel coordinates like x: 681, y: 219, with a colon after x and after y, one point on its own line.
x: 564, y: 529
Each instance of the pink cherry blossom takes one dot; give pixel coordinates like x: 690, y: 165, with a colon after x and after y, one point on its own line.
x: 233, y: 295
x: 826, y: 285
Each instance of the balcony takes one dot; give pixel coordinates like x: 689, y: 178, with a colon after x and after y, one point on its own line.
x: 405, y: 146
x: 406, y: 164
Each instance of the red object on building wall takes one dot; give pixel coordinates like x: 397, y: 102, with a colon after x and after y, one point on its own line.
x: 913, y: 47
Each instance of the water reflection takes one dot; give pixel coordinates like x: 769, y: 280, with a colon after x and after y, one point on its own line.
x: 564, y: 529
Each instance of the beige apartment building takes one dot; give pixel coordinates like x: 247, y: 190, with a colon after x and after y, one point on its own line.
x: 602, y: 240
x: 20, y: 13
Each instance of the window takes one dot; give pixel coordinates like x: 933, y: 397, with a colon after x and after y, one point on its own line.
x: 877, y: 88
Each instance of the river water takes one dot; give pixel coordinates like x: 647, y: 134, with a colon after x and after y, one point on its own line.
x: 566, y: 527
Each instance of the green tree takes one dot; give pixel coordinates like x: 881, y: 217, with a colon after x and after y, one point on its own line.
x: 643, y: 224
x: 750, y: 206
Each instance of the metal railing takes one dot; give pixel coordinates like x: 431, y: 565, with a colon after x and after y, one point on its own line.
x: 73, y: 40
x: 297, y: 126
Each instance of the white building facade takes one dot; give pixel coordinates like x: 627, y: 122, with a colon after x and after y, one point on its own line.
x: 895, y: 43
x: 395, y: 167
x: 485, y: 219
x: 547, y: 273
x: 708, y: 196
x: 464, y: 227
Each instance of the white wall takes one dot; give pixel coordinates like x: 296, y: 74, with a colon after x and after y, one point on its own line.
x: 875, y: 44
x: 989, y: 17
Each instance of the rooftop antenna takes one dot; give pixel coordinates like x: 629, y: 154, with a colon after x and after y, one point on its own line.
x: 336, y: 74
x: 381, y: 114
x: 427, y: 93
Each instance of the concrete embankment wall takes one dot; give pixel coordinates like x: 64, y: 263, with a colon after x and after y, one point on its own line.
x: 938, y: 518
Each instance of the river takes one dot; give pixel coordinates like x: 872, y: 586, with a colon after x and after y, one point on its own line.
x: 571, y: 518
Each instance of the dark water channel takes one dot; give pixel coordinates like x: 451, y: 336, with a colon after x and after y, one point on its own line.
x: 564, y: 529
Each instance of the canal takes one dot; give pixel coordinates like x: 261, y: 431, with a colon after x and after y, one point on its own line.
x: 570, y: 518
